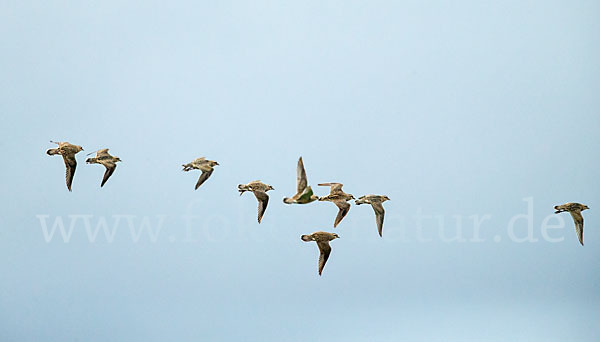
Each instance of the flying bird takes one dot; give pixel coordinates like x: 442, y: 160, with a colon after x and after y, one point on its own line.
x: 322, y: 239
x: 68, y: 152
x: 304, y: 193
x: 376, y: 201
x: 202, y: 164
x: 575, y: 210
x: 260, y: 191
x: 340, y: 198
x: 109, y: 162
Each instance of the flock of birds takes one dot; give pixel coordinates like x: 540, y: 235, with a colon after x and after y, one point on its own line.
x: 304, y: 193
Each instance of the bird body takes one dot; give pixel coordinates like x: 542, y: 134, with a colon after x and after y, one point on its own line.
x: 68, y: 152
x: 202, y: 164
x: 304, y: 193
x: 108, y: 161
x: 259, y: 189
x: 575, y: 210
x: 376, y: 202
x: 322, y: 239
x: 339, y: 198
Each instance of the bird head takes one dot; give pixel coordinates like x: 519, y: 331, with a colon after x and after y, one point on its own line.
x: 213, y: 163
x: 79, y: 148
x: 585, y: 207
x: 335, y: 236
x: 118, y: 159
x: 386, y: 198
x: 270, y: 188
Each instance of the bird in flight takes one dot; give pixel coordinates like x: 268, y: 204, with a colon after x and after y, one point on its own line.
x: 68, y: 152
x: 376, y: 201
x: 260, y: 192
x: 202, y: 164
x: 109, y: 162
x: 575, y: 210
x: 322, y: 239
x: 340, y: 198
x: 304, y: 193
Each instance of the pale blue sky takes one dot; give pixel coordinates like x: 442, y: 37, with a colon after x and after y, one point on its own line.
x: 450, y: 108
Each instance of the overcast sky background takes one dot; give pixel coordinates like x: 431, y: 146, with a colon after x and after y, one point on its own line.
x: 451, y: 109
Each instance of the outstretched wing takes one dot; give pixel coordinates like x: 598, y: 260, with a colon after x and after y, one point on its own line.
x: 379, y: 214
x: 301, y: 181
x: 578, y: 219
x: 344, y: 209
x: 71, y: 165
x: 324, y: 250
x: 203, y: 177
x: 103, y: 153
x: 334, y: 187
x: 263, y: 200
x: 110, y: 168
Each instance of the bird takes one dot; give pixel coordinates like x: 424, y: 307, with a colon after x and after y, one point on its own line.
x: 109, y: 162
x: 376, y: 201
x: 260, y: 191
x: 340, y: 198
x: 304, y: 193
x: 322, y: 239
x: 68, y: 152
x: 202, y: 164
x: 575, y: 210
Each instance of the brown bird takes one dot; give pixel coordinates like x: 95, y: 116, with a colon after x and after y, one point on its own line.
x: 260, y: 192
x: 340, y: 198
x: 322, y: 239
x: 304, y: 193
x: 68, y: 152
x: 109, y: 162
x: 376, y: 201
x: 575, y: 210
x: 202, y: 164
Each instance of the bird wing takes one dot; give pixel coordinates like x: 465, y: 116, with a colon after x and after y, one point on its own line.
x: 301, y: 181
x: 263, y: 200
x: 71, y: 165
x: 102, y: 153
x: 306, y: 195
x: 110, y: 168
x: 334, y: 187
x: 379, y: 214
x: 578, y: 219
x: 325, y: 250
x: 344, y: 209
x: 203, y: 177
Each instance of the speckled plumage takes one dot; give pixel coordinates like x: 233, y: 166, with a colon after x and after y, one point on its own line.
x: 107, y: 160
x: 322, y: 239
x: 68, y: 152
x: 575, y: 210
x: 339, y: 198
x: 260, y: 192
x: 304, y: 193
x: 376, y: 201
x: 202, y: 164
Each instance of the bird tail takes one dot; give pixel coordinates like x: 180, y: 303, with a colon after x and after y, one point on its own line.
x: 242, y: 188
x: 359, y: 202
x: 307, y: 238
x: 90, y: 160
x: 288, y: 200
x: 52, y: 151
